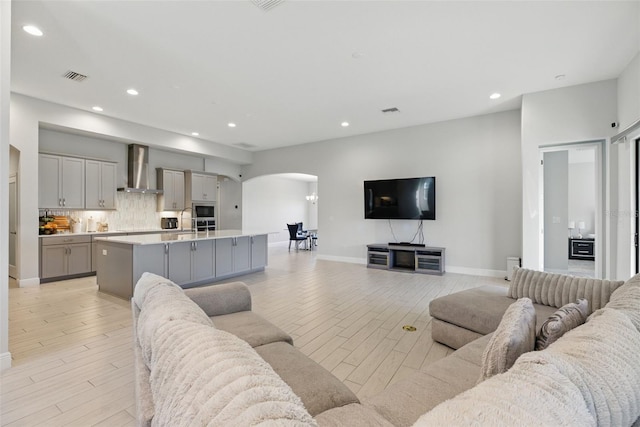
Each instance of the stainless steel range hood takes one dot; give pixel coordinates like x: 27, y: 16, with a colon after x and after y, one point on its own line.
x: 138, y: 170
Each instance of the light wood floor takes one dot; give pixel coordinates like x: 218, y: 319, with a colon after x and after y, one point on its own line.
x: 73, y: 360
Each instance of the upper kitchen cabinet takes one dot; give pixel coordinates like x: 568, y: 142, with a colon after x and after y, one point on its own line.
x: 201, y: 187
x: 61, y: 182
x: 100, y: 184
x: 172, y: 184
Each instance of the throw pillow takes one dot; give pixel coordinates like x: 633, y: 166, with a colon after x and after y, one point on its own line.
x: 515, y: 335
x: 566, y: 318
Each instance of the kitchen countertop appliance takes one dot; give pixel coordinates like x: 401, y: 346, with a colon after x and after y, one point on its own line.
x: 204, y: 216
x: 169, y: 223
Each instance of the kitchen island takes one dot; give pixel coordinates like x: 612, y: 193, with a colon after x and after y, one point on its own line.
x: 188, y: 259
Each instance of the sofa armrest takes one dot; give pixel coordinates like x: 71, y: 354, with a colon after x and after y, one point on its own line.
x: 217, y: 300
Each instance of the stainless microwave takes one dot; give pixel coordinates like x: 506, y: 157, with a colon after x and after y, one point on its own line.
x: 204, y: 210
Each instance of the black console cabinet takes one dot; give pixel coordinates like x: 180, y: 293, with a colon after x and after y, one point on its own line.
x: 582, y: 249
x: 418, y: 259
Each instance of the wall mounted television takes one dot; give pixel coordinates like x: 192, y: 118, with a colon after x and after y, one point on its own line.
x: 407, y: 198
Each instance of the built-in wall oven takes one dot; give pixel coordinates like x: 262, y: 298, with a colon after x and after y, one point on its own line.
x: 204, y: 216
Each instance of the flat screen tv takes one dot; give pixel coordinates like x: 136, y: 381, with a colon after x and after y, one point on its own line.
x: 407, y: 198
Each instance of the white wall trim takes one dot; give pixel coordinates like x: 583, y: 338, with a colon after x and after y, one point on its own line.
x: 5, y: 361
x: 475, y: 271
x: 29, y: 283
x: 350, y: 260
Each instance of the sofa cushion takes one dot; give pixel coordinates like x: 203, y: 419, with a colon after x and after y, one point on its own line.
x: 626, y: 299
x: 528, y: 394
x: 451, y: 335
x: 569, y: 316
x: 219, y: 299
x: 403, y: 402
x: 251, y: 327
x: 478, y: 309
x: 473, y: 351
x: 204, y: 376
x: 160, y: 300
x: 559, y: 289
x: 602, y: 358
x: 318, y: 389
x: 352, y: 415
x: 515, y: 335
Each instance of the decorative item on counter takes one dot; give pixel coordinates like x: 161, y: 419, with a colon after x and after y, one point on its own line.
x: 47, y: 224
x: 103, y: 225
x: 91, y: 225
x: 76, y: 225
x: 62, y: 223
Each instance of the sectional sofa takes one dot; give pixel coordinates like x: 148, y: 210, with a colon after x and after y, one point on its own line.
x: 202, y: 357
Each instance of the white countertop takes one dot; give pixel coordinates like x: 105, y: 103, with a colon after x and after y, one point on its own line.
x: 111, y: 232
x: 153, y: 239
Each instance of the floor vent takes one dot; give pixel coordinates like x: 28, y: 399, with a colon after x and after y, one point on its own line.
x: 390, y: 110
x: 266, y: 5
x: 72, y: 75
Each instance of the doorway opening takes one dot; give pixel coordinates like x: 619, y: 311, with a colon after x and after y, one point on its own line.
x: 571, y: 220
x: 273, y: 201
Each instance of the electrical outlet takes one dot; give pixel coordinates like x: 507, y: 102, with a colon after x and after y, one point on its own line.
x: 104, y: 252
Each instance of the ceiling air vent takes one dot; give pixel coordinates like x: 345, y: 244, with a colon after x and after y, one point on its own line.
x: 72, y: 75
x: 266, y: 5
x: 245, y: 145
x: 390, y: 110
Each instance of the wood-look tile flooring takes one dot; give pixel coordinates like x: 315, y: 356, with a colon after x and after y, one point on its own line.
x: 73, y: 359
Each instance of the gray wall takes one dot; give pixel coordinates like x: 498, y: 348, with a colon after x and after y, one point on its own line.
x: 476, y: 162
x: 582, y: 195
x: 556, y: 210
x: 229, y: 215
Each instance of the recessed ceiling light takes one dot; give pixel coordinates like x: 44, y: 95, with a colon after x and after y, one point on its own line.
x: 195, y: 134
x: 560, y: 77
x: 132, y: 91
x: 357, y: 55
x: 231, y: 125
x: 494, y: 95
x: 97, y: 108
x: 33, y: 30
x: 344, y: 124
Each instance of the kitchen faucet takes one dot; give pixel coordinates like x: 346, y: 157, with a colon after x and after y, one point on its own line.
x: 182, y: 212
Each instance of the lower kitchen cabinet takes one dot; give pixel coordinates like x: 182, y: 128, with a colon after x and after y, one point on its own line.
x: 191, y: 261
x: 258, y: 251
x: 65, y: 256
x: 232, y: 255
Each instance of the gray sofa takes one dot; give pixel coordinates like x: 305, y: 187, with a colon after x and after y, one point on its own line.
x: 468, y: 315
x: 445, y: 393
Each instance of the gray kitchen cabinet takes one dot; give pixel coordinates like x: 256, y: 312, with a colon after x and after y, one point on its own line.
x: 233, y: 255
x: 61, y: 182
x: 65, y: 256
x: 100, y: 184
x: 171, y: 182
x: 191, y: 261
x: 258, y: 251
x: 224, y: 256
x: 150, y: 258
x: 201, y: 187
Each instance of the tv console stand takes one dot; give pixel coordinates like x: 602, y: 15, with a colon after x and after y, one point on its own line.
x: 412, y: 258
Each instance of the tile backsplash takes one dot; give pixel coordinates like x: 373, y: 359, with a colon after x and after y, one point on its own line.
x: 134, y: 211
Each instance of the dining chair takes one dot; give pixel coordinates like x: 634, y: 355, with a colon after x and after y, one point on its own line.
x: 295, y: 237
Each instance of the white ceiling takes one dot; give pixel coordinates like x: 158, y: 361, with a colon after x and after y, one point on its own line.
x: 289, y: 76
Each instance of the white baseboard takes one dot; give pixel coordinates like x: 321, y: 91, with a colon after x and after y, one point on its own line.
x: 5, y: 361
x: 476, y: 271
x: 28, y: 283
x: 350, y: 260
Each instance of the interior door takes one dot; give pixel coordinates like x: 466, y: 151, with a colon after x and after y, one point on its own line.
x: 556, y: 207
x: 13, y: 226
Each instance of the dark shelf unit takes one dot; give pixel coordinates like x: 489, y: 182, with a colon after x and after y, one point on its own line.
x: 582, y: 248
x: 418, y: 259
